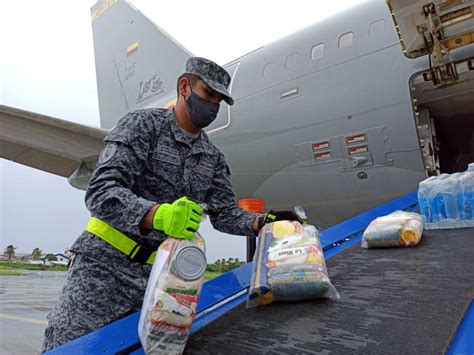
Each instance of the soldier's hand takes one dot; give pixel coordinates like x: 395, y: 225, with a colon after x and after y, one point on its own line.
x: 180, y: 219
x: 274, y: 216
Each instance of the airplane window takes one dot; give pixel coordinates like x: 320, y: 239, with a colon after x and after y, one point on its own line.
x: 268, y: 70
x: 317, y: 51
x: 346, y: 40
x: 291, y: 60
x: 377, y: 28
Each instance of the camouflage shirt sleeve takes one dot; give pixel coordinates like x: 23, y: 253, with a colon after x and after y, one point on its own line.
x: 229, y: 218
x: 110, y: 195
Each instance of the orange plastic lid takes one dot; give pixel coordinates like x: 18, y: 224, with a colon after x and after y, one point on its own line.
x: 252, y: 205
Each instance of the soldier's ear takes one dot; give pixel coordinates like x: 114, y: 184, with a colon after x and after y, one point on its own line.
x: 184, y: 87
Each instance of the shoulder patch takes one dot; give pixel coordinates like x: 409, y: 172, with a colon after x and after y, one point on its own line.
x: 107, y: 153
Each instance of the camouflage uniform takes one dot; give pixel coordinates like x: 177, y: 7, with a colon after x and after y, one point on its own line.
x: 147, y: 160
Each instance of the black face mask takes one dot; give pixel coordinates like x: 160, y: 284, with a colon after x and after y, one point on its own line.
x: 202, y: 112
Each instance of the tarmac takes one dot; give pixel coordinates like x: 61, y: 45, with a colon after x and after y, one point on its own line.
x: 25, y: 301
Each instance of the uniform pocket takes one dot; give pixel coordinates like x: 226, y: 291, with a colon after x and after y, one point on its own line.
x: 166, y: 165
x: 201, y: 181
x: 166, y: 154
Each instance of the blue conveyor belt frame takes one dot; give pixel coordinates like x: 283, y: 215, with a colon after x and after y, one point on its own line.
x: 228, y: 290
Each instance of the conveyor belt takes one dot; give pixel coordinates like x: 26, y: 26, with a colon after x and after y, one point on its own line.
x: 393, y: 301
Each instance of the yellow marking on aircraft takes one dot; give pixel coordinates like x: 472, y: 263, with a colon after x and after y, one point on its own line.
x: 23, y: 319
x: 133, y: 47
x: 102, y: 8
x: 171, y: 103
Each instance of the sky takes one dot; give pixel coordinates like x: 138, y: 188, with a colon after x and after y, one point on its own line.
x: 47, y: 66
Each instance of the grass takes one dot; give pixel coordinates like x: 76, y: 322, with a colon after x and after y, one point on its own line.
x: 11, y: 273
x: 9, y: 268
x: 23, y: 266
x: 208, y: 275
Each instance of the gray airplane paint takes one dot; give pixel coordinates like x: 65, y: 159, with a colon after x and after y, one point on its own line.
x: 136, y: 62
x: 286, y: 102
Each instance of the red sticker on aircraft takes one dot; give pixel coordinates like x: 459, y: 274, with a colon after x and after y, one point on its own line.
x: 357, y: 149
x: 320, y: 145
x: 322, y: 155
x: 356, y: 138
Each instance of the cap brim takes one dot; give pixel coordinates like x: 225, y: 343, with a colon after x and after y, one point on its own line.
x: 221, y: 89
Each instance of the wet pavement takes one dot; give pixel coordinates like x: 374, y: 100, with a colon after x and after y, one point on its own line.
x: 25, y: 301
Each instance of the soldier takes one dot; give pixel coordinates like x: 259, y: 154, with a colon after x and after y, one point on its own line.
x: 154, y: 163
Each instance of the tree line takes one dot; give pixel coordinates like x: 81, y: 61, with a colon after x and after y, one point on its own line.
x: 222, y: 265
x: 35, y: 254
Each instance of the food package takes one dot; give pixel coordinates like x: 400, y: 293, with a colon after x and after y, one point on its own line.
x: 398, y: 229
x: 172, y: 294
x: 289, y: 265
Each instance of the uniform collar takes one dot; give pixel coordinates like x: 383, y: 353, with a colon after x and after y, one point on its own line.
x: 201, y: 144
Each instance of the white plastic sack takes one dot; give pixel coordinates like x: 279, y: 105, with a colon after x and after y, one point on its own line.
x: 398, y: 229
x: 172, y: 294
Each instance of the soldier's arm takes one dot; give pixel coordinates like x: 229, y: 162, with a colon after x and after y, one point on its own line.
x: 109, y: 196
x: 229, y: 218
x: 147, y: 220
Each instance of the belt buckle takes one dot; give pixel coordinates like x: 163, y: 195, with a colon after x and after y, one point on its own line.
x: 142, y: 255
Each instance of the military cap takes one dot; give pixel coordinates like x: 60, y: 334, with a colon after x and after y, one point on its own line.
x: 212, y: 74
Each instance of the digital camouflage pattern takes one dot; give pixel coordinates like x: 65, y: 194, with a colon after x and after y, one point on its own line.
x: 212, y: 74
x: 147, y: 160
x: 94, y: 294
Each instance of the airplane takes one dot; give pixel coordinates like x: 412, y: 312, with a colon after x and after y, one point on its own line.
x: 339, y: 117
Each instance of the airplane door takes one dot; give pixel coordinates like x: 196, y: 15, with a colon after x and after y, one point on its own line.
x: 435, y: 29
x: 423, y: 26
x: 222, y: 122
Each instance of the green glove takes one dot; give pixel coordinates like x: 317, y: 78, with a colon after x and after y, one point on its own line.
x: 180, y: 219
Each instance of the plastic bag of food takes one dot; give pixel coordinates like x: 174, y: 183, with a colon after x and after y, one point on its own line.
x: 289, y: 265
x: 398, y: 229
x: 172, y: 294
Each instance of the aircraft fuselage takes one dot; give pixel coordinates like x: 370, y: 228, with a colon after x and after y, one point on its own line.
x: 324, y: 118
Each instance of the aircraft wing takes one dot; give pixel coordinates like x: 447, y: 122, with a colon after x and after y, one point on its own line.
x: 50, y: 144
